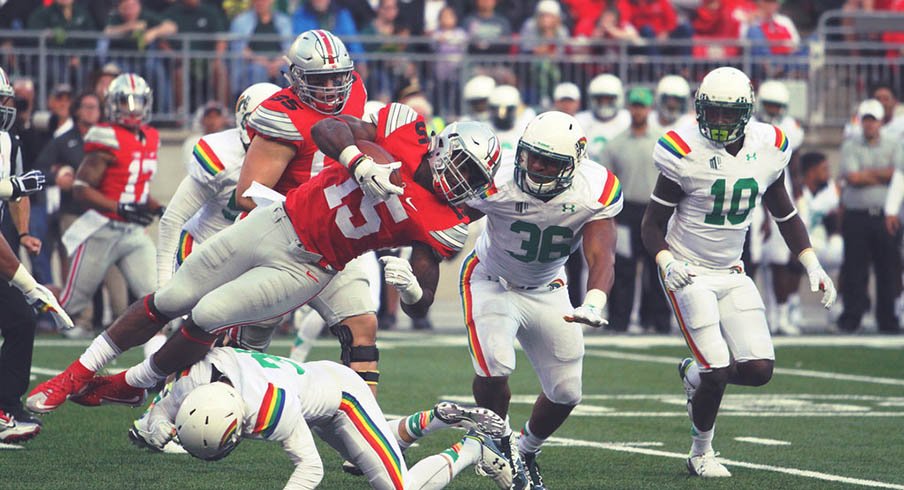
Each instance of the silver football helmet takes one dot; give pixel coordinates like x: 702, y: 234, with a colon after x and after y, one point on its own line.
x: 247, y: 102
x: 464, y: 158
x: 7, y: 103
x: 129, y: 100
x: 320, y: 70
x: 209, y: 421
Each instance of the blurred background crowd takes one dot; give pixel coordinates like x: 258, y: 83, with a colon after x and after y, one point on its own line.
x: 626, y: 68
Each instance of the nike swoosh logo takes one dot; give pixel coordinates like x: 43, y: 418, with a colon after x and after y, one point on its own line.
x: 408, y: 201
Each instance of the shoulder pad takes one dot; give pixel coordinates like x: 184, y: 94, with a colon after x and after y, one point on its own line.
x: 453, y: 238
x: 102, y: 135
x: 274, y: 124
x: 396, y: 115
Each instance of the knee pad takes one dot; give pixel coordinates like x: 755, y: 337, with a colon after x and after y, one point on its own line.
x: 566, y: 392
x: 358, y: 353
x: 151, y: 311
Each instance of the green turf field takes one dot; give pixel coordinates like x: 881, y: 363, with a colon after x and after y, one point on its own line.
x: 833, y: 417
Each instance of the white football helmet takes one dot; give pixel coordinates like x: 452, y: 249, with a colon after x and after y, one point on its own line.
x: 609, y: 87
x: 557, y: 139
x: 505, y: 100
x: 775, y: 94
x: 129, y: 100
x: 252, y: 97
x: 464, y: 158
x: 7, y: 103
x: 320, y: 70
x: 672, y: 96
x: 476, y: 95
x: 209, y: 421
x: 724, y: 104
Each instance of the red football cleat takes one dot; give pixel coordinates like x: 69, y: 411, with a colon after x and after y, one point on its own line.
x: 50, y: 394
x: 110, y: 389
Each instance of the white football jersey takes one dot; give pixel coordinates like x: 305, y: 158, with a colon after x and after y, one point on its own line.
x: 216, y: 163
x: 276, y: 390
x: 528, y: 240
x: 656, y: 127
x: 599, y: 133
x: 793, y: 131
x: 711, y: 221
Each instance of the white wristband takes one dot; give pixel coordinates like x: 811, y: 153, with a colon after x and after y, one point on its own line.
x: 22, y: 280
x: 664, y: 257
x: 596, y: 298
x: 809, y: 260
x: 412, y: 295
x: 349, y: 155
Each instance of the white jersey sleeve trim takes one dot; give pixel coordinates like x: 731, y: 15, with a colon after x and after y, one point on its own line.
x: 785, y: 218
x: 398, y: 116
x: 102, y: 135
x: 274, y: 124
x: 655, y: 198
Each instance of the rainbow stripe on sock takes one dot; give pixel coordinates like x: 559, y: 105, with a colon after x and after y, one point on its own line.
x: 416, y: 423
x: 374, y: 437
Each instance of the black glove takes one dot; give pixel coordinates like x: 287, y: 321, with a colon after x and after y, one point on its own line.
x: 27, y: 183
x: 135, y: 213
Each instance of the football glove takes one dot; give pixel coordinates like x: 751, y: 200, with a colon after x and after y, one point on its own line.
x: 43, y: 301
x: 819, y: 279
x: 399, y: 275
x: 27, y: 183
x: 132, y: 212
x: 591, y: 312
x: 373, y: 178
x: 676, y: 274
x: 156, y: 435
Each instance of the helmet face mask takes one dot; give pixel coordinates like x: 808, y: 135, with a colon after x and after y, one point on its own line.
x: 320, y: 71
x: 724, y: 105
x: 607, y: 96
x: 463, y: 160
x: 549, y: 151
x: 670, y: 107
x: 129, y: 100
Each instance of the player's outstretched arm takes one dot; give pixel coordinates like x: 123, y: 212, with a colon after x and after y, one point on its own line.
x: 265, y: 162
x: 599, y: 238
x: 87, y: 181
x: 190, y: 196
x: 415, y: 279
x: 302, y: 451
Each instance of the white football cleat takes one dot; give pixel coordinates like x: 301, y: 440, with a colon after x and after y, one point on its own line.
x: 705, y: 466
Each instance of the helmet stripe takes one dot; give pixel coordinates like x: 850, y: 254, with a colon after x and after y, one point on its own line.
x: 325, y: 39
x: 132, y: 81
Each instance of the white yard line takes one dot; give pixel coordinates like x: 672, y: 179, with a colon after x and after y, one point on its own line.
x: 762, y: 441
x: 729, y: 462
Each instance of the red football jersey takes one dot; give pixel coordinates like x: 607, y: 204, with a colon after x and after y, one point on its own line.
x: 334, y: 218
x: 128, y: 178
x: 285, y: 118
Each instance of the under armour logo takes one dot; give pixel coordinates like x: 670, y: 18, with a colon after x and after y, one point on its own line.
x: 568, y: 208
x: 751, y: 157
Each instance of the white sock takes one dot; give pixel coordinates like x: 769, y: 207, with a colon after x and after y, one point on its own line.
x: 528, y: 442
x: 154, y: 344
x: 693, y: 374
x: 434, y: 472
x: 702, y: 440
x: 144, y: 375
x: 306, y: 333
x: 101, y: 351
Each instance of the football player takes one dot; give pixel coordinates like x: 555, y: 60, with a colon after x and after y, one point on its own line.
x: 476, y: 95
x: 280, y: 257
x: 711, y: 178
x: 607, y: 116
x: 508, y: 115
x: 282, y: 155
x: 234, y: 394
x: 545, y: 202
x: 114, y: 182
x: 673, y: 96
x: 19, y: 323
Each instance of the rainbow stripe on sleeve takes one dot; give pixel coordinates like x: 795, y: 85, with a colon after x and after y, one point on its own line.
x: 205, y: 156
x: 375, y: 439
x: 271, y: 409
x: 781, y: 141
x: 611, y: 191
x: 674, y: 144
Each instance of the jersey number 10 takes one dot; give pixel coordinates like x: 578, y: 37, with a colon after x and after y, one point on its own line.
x: 735, y: 215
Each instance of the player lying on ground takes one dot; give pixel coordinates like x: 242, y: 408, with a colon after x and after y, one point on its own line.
x: 280, y: 257
x: 233, y: 394
x: 711, y: 178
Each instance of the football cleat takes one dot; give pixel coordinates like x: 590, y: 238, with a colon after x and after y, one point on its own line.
x: 683, y: 366
x: 110, y: 389
x: 499, y: 462
x: 12, y: 430
x: 351, y: 468
x: 481, y: 419
x: 52, y: 393
x: 705, y: 466
x: 533, y: 470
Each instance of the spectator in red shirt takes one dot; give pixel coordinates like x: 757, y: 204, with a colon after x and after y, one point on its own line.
x: 772, y: 35
x: 896, y: 38
x: 655, y: 19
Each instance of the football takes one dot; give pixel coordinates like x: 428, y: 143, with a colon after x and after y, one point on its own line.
x: 382, y: 156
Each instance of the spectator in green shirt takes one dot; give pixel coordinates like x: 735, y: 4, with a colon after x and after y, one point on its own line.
x: 207, y: 71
